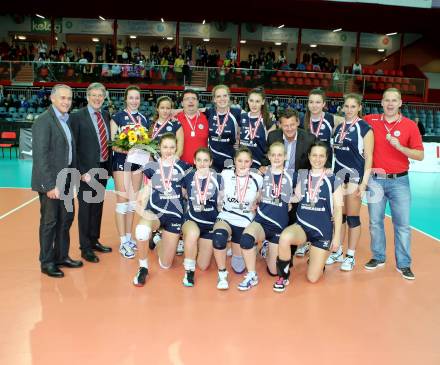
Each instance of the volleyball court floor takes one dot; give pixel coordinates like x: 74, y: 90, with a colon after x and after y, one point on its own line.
x: 94, y: 315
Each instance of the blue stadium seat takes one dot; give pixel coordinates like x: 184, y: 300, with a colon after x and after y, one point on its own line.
x: 12, y: 109
x: 31, y: 110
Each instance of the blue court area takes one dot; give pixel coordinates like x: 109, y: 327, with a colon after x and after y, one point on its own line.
x: 424, y: 186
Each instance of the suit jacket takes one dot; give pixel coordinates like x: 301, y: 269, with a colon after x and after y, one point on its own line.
x: 303, y: 143
x: 87, y: 144
x: 50, y: 151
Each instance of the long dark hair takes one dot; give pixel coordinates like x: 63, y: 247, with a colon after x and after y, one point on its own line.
x: 308, y: 115
x: 264, y: 108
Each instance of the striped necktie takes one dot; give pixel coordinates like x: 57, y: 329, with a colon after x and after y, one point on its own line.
x: 102, y: 136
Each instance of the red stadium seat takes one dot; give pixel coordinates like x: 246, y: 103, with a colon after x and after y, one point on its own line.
x: 308, y: 82
x: 405, y: 87
x: 300, y: 81
x: 412, y: 88
x: 316, y: 82
x: 325, y: 83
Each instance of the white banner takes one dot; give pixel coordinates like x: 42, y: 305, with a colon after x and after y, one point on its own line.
x: 195, y: 30
x: 271, y: 34
x: 146, y: 28
x: 431, y: 162
x: 87, y: 26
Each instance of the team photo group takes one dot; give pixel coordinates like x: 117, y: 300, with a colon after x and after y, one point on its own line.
x: 223, y: 182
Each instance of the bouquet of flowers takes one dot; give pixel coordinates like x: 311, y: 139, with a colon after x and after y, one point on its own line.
x: 135, y: 136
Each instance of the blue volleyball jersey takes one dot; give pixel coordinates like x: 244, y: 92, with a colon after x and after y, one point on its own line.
x: 122, y: 119
x: 257, y: 145
x: 222, y: 146
x: 316, y: 219
x: 326, y: 130
x: 161, y: 201
x: 172, y: 126
x: 349, y: 153
x: 208, y: 215
x: 273, y: 213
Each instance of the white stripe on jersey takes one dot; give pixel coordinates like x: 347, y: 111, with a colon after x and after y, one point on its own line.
x: 267, y: 218
x: 344, y: 166
x: 219, y: 153
x: 329, y: 185
x: 236, y: 127
x: 198, y: 220
x: 360, y: 140
x: 309, y: 225
x: 163, y: 210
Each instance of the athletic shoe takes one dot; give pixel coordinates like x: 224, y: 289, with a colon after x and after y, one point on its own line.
x: 126, y: 251
x: 133, y: 245
x: 141, y: 275
x: 264, y: 249
x: 222, y: 282
x: 180, y: 248
x: 229, y: 252
x: 406, y: 273
x: 280, y: 284
x: 248, y: 282
x: 157, y: 236
x: 374, y: 264
x: 188, y: 279
x: 335, y: 257
x: 348, y: 263
x: 302, y: 250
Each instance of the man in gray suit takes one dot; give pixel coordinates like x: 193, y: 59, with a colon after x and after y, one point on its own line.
x: 53, y: 151
x: 91, y: 132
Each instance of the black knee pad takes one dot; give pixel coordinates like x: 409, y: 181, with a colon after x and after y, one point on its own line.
x: 220, y: 239
x: 353, y: 221
x: 344, y: 218
x: 247, y: 241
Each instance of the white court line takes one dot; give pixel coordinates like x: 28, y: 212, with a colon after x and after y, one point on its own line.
x: 418, y: 230
x: 19, y: 207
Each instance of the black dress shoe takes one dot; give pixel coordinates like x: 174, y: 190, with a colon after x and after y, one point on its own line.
x: 101, y: 248
x: 90, y: 256
x: 52, y: 271
x: 68, y: 262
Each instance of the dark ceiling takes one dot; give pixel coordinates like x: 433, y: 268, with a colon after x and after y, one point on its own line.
x: 298, y: 14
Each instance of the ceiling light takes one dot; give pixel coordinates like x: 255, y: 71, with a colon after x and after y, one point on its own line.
x: 380, y: 50
x: 133, y: 37
x: 278, y: 43
x: 313, y: 45
x: 95, y: 39
x: 170, y: 38
x: 101, y: 17
x: 40, y: 16
x: 161, y: 19
x: 337, y: 30
x: 205, y: 39
x: 22, y: 37
x: 281, y: 26
x: 390, y: 34
x: 243, y: 41
x: 203, y: 21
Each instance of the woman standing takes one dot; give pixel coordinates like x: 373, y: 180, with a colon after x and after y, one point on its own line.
x: 127, y: 176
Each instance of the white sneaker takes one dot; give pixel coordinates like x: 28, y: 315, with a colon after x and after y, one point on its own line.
x: 126, y: 251
x: 222, y: 282
x: 302, y: 250
x: 248, y: 282
x: 348, y: 263
x: 157, y: 237
x: 335, y: 257
x: 133, y: 245
x: 180, y: 248
x: 264, y: 249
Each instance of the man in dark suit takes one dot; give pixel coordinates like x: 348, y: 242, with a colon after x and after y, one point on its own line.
x: 53, y: 151
x: 91, y: 132
x: 297, y: 142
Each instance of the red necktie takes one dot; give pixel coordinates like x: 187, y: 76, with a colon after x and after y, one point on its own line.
x: 102, y: 136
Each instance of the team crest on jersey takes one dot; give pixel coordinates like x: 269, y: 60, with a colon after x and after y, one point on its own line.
x: 126, y: 117
x: 284, y: 181
x: 169, y: 129
x: 200, y: 126
x: 396, y: 133
x: 351, y: 129
x: 323, y: 127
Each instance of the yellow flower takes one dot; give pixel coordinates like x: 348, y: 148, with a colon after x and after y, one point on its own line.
x: 131, y: 134
x: 122, y: 136
x: 132, y: 139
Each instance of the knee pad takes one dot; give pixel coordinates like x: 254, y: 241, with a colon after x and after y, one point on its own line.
x: 131, y: 206
x: 344, y: 218
x: 142, y: 232
x: 220, y: 239
x: 121, y: 208
x: 353, y: 221
x: 247, y: 241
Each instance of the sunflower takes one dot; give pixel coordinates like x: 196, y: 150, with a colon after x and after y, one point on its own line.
x: 122, y: 136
